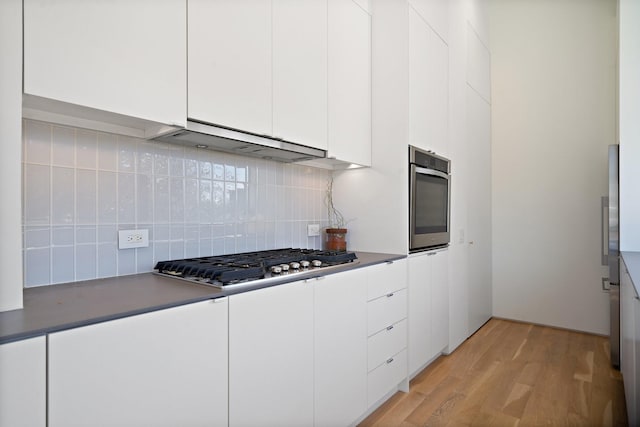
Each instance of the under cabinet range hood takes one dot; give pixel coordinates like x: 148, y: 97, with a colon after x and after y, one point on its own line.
x: 203, y: 135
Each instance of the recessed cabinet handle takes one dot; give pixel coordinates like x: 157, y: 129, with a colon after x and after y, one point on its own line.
x: 389, y: 360
x: 389, y: 262
x: 390, y: 295
x: 389, y: 328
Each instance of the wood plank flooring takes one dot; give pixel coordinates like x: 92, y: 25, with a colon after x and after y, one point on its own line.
x: 513, y: 374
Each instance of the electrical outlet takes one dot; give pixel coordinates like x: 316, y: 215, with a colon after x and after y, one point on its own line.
x: 313, y: 230
x: 128, y: 239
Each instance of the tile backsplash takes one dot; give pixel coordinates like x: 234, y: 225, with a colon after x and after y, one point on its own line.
x: 80, y: 187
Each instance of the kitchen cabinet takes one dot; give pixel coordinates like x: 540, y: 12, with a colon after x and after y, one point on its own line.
x: 229, y: 81
x: 428, y: 308
x: 340, y: 346
x: 300, y: 71
x: 271, y: 349
x: 630, y: 345
x: 263, y: 81
x: 386, y: 330
x: 436, y: 13
x: 479, y: 204
x: 349, y: 96
x: 428, y: 87
x: 163, y: 368
x: 23, y: 388
x: 121, y: 56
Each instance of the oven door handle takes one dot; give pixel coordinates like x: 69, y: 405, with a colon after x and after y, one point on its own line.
x: 426, y: 171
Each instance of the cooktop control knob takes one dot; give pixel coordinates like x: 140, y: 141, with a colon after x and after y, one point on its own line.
x: 295, y: 265
x: 304, y: 264
x: 316, y: 263
x: 284, y: 267
x: 276, y: 269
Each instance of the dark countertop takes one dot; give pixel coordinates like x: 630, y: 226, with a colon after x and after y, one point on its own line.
x: 58, y: 307
x: 632, y: 262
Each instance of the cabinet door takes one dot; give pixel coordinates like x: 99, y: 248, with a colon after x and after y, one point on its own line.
x: 164, y: 368
x: 349, y: 95
x: 300, y: 71
x: 121, y: 56
x: 420, y: 330
x: 23, y: 386
x: 628, y: 353
x: 340, y: 333
x: 230, y: 63
x: 271, y: 356
x: 439, y: 302
x: 428, y: 87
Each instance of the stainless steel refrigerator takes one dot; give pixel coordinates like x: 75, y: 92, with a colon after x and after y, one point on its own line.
x: 611, y: 252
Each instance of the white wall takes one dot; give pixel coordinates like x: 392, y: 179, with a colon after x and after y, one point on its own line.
x: 10, y: 129
x: 553, y: 115
x: 629, y: 125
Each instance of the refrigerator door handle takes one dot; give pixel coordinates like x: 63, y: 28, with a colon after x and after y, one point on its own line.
x: 604, y: 225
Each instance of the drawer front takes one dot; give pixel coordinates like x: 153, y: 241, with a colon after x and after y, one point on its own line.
x: 386, y: 310
x: 386, y: 343
x: 386, y: 377
x: 386, y: 278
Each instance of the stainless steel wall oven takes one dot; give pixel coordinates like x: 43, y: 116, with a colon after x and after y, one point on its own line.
x: 429, y: 200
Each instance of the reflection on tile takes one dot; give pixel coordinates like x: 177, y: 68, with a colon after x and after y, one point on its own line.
x: 126, y: 154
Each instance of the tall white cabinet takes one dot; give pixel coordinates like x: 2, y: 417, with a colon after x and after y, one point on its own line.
x: 121, y: 56
x: 23, y: 384
x: 163, y: 368
x: 630, y: 345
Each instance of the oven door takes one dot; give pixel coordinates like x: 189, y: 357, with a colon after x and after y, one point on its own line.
x: 429, y: 208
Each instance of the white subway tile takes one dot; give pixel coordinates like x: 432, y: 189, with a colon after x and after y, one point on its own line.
x: 63, y: 264
x: 145, y: 157
x: 161, y: 232
x: 107, y: 197
x: 86, y: 235
x: 144, y: 198
x: 86, y: 265
x: 37, y: 237
x: 63, y: 235
x: 144, y: 260
x: 161, y: 160
x: 161, y: 200
x: 176, y: 249
x: 37, y: 140
x: 107, y: 152
x: 86, y: 149
x: 191, y: 198
x: 86, y: 200
x: 126, y: 261
x: 37, y: 267
x: 126, y: 198
x: 177, y: 199
x: 62, y: 195
x: 37, y: 189
x: 192, y: 249
x: 205, y: 202
x: 63, y: 151
x: 126, y: 154
x: 161, y: 251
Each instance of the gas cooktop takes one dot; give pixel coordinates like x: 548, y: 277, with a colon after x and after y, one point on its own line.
x: 253, y: 268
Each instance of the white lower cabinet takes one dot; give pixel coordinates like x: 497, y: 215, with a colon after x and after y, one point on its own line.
x: 386, y: 329
x: 23, y: 383
x: 271, y: 356
x: 340, y: 334
x: 164, y: 368
x: 630, y: 345
x: 428, y: 308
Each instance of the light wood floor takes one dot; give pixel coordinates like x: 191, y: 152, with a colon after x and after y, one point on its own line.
x: 513, y: 374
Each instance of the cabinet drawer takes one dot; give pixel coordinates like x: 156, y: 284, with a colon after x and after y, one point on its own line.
x: 386, y: 343
x: 386, y: 377
x: 386, y: 310
x: 386, y: 278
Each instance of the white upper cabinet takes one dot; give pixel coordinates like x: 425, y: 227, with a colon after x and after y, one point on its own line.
x: 300, y: 71
x: 478, y: 64
x: 119, y: 56
x: 428, y: 87
x: 229, y: 58
x: 349, y: 82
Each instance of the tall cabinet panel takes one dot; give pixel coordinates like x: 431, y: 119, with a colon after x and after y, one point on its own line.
x: 300, y: 71
x: 164, y: 368
x: 23, y: 384
x: 340, y: 333
x: 428, y: 87
x: 229, y: 66
x: 271, y: 356
x: 479, y: 219
x: 120, y: 56
x: 629, y: 355
x: 349, y: 86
